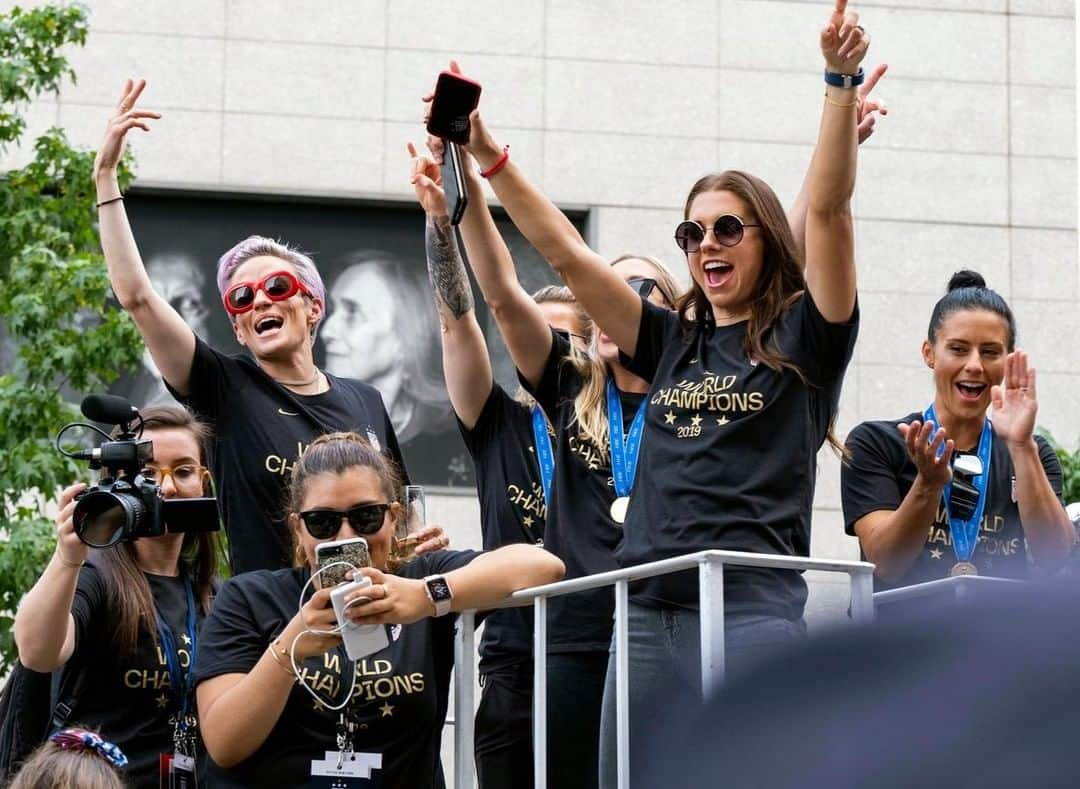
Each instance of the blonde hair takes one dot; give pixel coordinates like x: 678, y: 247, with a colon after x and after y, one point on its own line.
x: 590, y: 405
x: 53, y: 767
x: 557, y: 294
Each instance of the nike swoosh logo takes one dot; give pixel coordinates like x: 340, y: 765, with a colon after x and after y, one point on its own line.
x: 283, y: 412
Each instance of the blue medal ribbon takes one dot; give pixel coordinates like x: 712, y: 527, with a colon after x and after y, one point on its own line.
x: 179, y: 682
x: 624, y: 448
x: 545, y: 456
x: 965, y: 534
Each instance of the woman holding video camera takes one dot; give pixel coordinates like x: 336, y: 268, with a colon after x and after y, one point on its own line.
x: 260, y: 726
x: 261, y: 407
x: 950, y: 490
x: 125, y: 618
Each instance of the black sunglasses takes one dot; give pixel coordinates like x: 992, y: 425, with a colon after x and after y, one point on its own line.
x: 365, y: 519
x: 642, y: 286
x: 727, y: 230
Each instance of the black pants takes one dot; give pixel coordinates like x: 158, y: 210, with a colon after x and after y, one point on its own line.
x: 503, y: 732
x: 575, y: 694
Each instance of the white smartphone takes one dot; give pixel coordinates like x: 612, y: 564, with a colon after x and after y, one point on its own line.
x: 360, y: 640
x: 354, y: 551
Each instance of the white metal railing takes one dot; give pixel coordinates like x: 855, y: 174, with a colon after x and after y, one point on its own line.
x: 710, y: 566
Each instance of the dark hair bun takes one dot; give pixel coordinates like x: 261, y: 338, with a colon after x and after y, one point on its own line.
x: 966, y: 279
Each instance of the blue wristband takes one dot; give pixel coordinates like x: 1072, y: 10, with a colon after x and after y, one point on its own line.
x: 844, y: 80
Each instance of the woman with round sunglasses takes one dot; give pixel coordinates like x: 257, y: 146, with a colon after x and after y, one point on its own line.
x: 263, y: 407
x: 126, y: 617
x: 587, y: 396
x: 260, y: 726
x: 952, y: 489
x: 746, y: 377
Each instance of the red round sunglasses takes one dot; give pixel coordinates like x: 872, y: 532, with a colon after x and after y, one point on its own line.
x: 277, y: 285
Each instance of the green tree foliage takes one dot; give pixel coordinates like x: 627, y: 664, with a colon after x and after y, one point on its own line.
x: 54, y: 299
x: 1070, y: 468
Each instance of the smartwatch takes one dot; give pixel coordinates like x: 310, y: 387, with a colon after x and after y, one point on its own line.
x: 844, y: 80
x: 438, y: 592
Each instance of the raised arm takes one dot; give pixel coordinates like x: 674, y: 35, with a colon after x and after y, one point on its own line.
x: 830, y: 243
x: 44, y: 627
x: 520, y: 320
x: 171, y: 342
x: 607, y: 299
x: 1014, y: 406
x: 867, y: 110
x: 466, y: 365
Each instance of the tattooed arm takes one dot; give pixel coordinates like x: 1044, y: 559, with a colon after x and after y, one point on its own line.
x: 465, y: 357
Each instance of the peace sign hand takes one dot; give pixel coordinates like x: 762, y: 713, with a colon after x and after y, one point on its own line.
x: 843, y: 40
x: 868, y: 109
x: 125, y: 118
x: 427, y: 182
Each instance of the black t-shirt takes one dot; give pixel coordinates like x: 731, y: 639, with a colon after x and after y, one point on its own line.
x: 512, y: 509
x: 260, y: 429
x: 730, y: 451
x: 580, y: 529
x: 880, y: 473
x: 399, y: 703
x: 129, y: 700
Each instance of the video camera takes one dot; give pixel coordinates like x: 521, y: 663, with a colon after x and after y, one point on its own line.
x: 125, y: 505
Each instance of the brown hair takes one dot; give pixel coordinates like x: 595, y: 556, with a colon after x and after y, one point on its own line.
x: 590, y: 405
x: 53, y: 767
x: 780, y: 282
x: 128, y: 590
x: 336, y: 453
x: 560, y: 294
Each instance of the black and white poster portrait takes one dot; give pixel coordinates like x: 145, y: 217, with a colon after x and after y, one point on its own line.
x: 381, y: 325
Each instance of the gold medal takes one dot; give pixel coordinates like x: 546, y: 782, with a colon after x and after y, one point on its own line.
x: 963, y: 568
x: 619, y: 507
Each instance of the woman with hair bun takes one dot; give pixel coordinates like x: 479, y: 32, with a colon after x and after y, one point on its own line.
x: 949, y: 490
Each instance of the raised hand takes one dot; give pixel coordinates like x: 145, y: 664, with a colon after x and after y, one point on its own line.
x: 427, y: 182
x: 930, y: 451
x: 1013, y: 404
x: 867, y: 108
x: 843, y: 41
x: 481, y: 146
x: 123, y: 120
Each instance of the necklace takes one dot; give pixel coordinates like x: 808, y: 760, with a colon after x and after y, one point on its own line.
x: 298, y: 384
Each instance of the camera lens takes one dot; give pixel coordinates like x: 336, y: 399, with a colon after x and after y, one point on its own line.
x: 102, y: 518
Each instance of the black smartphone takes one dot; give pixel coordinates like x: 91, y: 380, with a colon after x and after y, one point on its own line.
x: 354, y: 551
x: 455, y: 97
x: 457, y: 192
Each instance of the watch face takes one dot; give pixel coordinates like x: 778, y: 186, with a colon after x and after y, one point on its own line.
x: 439, y: 589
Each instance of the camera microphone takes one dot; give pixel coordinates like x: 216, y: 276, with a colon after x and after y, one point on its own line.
x: 110, y: 409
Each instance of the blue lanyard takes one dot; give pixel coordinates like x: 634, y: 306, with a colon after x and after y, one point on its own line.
x: 965, y: 534
x: 624, y: 449
x: 181, y: 684
x: 544, y: 454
